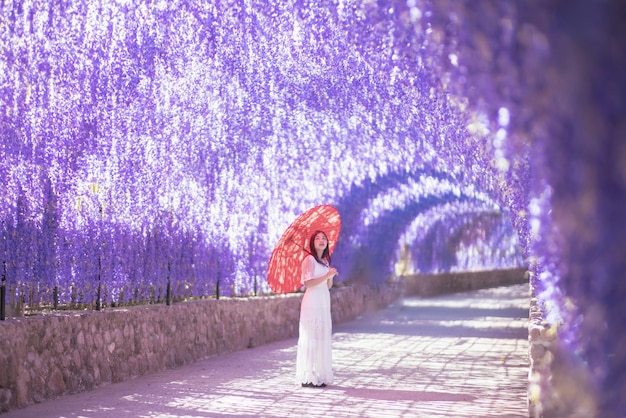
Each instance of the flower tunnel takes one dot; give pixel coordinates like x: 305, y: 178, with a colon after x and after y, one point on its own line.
x: 430, y: 216
x: 152, y: 146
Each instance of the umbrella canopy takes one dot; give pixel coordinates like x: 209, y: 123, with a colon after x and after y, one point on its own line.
x: 284, y: 270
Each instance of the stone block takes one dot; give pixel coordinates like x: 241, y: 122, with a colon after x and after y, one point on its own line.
x: 6, y: 400
x: 535, y: 333
x: 537, y: 351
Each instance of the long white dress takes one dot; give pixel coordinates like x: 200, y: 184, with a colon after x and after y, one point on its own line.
x: 314, y: 358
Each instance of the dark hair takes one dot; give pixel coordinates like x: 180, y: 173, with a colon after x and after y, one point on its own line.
x: 313, y: 251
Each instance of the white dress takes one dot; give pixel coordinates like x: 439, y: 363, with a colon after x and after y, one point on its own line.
x: 314, y: 358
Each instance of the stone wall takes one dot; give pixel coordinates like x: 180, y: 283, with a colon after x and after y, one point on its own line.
x: 50, y: 355
x: 540, y: 337
x: 437, y: 284
x: 559, y: 385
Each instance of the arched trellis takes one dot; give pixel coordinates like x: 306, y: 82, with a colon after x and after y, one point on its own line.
x: 352, y: 203
x: 359, y: 254
x: 489, y: 230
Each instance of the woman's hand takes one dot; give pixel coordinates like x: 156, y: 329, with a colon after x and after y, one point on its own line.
x: 332, y: 272
x: 328, y: 277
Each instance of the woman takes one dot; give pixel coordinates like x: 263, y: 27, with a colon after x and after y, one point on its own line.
x: 314, y: 358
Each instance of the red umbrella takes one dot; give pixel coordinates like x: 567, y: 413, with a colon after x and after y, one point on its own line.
x: 285, y: 267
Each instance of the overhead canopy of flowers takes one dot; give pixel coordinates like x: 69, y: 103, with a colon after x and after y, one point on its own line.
x: 153, y: 141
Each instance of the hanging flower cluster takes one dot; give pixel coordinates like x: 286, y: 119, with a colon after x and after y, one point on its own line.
x: 153, y: 146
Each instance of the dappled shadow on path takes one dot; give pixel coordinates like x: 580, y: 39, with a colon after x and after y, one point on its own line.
x: 471, y: 346
x: 402, y: 395
x: 456, y: 356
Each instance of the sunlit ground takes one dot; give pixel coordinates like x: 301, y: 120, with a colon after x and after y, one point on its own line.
x: 456, y: 356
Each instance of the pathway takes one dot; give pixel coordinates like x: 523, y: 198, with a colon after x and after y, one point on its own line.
x: 461, y: 355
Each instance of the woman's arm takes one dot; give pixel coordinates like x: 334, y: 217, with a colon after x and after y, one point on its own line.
x: 332, y: 272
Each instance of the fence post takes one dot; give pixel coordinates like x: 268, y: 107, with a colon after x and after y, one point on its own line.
x: 3, y: 292
x: 168, y: 289
x: 98, y: 292
x: 55, y: 297
x: 217, y: 285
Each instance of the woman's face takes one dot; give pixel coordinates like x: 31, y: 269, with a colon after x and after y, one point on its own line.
x: 320, y: 242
